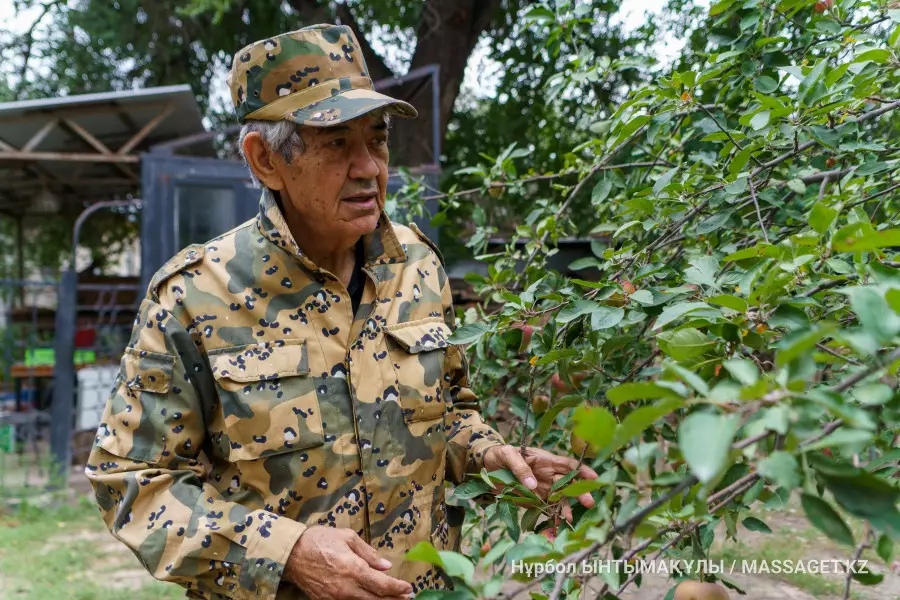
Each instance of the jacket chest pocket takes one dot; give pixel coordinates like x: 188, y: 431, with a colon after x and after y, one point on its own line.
x: 417, y: 350
x: 267, y: 399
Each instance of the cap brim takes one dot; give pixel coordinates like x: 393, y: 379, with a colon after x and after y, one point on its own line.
x: 348, y: 105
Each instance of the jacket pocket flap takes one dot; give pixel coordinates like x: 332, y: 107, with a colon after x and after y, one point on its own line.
x: 422, y: 335
x: 148, y: 371
x: 262, y: 361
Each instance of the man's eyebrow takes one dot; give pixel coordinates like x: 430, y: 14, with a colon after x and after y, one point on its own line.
x: 335, y: 129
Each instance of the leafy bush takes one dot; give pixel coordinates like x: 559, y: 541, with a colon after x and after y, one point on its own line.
x: 734, y: 340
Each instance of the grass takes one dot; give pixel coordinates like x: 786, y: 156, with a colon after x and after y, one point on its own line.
x: 63, y: 553
x: 806, y: 543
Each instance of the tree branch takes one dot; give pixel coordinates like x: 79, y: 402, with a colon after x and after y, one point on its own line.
x: 376, y: 65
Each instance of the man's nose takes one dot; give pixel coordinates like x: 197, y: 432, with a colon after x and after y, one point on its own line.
x: 362, y: 163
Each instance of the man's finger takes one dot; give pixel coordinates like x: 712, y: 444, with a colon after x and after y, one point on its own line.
x: 383, y: 585
x: 567, y: 511
x: 586, y: 500
x: 568, y: 464
x: 516, y: 464
x: 368, y: 554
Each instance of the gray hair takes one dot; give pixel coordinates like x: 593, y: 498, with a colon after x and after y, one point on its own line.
x: 284, y: 137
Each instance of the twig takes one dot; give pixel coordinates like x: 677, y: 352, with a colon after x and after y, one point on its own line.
x: 728, y: 133
x: 865, y: 543
x: 823, y: 187
x: 827, y: 286
x: 828, y: 350
x: 524, y: 438
x: 756, y: 205
x: 873, y: 196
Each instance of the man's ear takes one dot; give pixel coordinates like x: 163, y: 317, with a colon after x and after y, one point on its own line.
x: 261, y: 161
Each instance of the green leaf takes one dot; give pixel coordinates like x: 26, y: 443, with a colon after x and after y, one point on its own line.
x: 879, y: 55
x: 859, y: 237
x: 781, y: 468
x: 539, y: 14
x: 549, y: 417
x: 509, y: 515
x: 604, y: 317
x: 796, y: 343
x: 664, y: 180
x: 760, y: 120
x: 595, y: 425
x: 557, y: 355
x: 644, y: 390
x: 470, y: 489
x: 720, y: 7
x: 808, y: 84
x: 457, y: 565
x: 885, y: 546
x: 739, y: 162
x: 640, y: 419
x: 425, y: 552
x: 743, y: 370
x: 581, y: 487
x: 729, y: 301
x: 469, y: 333
x: 873, y: 394
x: 646, y: 297
x: 692, y: 379
x: 601, y: 191
x: 766, y: 84
x: 841, y: 437
x: 575, y: 310
x: 826, y: 519
x: 713, y: 222
x: 873, y: 311
x: 866, y: 496
x: 754, y: 524
x: 705, y: 441
x: 498, y: 550
x: 797, y: 186
x: 821, y: 217
x: 685, y: 343
x: 677, y: 311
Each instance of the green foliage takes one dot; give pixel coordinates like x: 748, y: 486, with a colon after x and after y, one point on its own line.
x: 733, y: 341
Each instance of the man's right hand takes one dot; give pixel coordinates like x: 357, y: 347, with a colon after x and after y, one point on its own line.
x: 335, y: 564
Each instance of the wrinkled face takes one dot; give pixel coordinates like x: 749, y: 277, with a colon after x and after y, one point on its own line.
x: 337, y: 186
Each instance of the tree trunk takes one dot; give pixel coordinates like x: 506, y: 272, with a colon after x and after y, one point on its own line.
x: 447, y: 33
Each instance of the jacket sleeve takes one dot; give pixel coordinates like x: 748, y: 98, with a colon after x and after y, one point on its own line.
x: 151, y: 487
x: 469, y: 437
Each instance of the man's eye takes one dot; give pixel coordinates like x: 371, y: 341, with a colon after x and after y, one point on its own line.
x: 336, y: 143
x: 380, y: 141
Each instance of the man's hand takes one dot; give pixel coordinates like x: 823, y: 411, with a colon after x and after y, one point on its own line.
x: 538, y: 470
x: 333, y: 564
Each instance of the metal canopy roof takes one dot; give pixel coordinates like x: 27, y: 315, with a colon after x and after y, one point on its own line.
x: 78, y: 150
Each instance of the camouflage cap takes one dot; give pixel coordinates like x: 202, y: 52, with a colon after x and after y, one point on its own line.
x: 314, y: 76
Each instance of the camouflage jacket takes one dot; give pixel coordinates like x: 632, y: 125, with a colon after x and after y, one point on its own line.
x: 251, y: 404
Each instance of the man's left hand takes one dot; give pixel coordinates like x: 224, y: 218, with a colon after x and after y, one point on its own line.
x: 538, y: 470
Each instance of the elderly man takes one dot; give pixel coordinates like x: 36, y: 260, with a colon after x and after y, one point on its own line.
x: 288, y: 407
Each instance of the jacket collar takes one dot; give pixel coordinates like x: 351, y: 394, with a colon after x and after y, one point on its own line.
x: 381, y: 247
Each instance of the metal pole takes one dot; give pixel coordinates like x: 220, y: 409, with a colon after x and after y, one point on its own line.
x: 62, y: 411
x: 436, y: 107
x: 20, y: 256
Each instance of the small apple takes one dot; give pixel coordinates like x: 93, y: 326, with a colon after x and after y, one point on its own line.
x: 540, y: 403
x: 557, y: 383
x: 827, y: 452
x: 628, y: 287
x: 696, y: 590
x: 496, y: 189
x: 485, y: 547
x: 830, y: 162
x: 579, y: 445
x: 527, y: 334
x: 823, y: 5
x: 549, y: 533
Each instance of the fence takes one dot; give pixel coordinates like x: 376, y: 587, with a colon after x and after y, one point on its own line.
x: 104, y: 313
